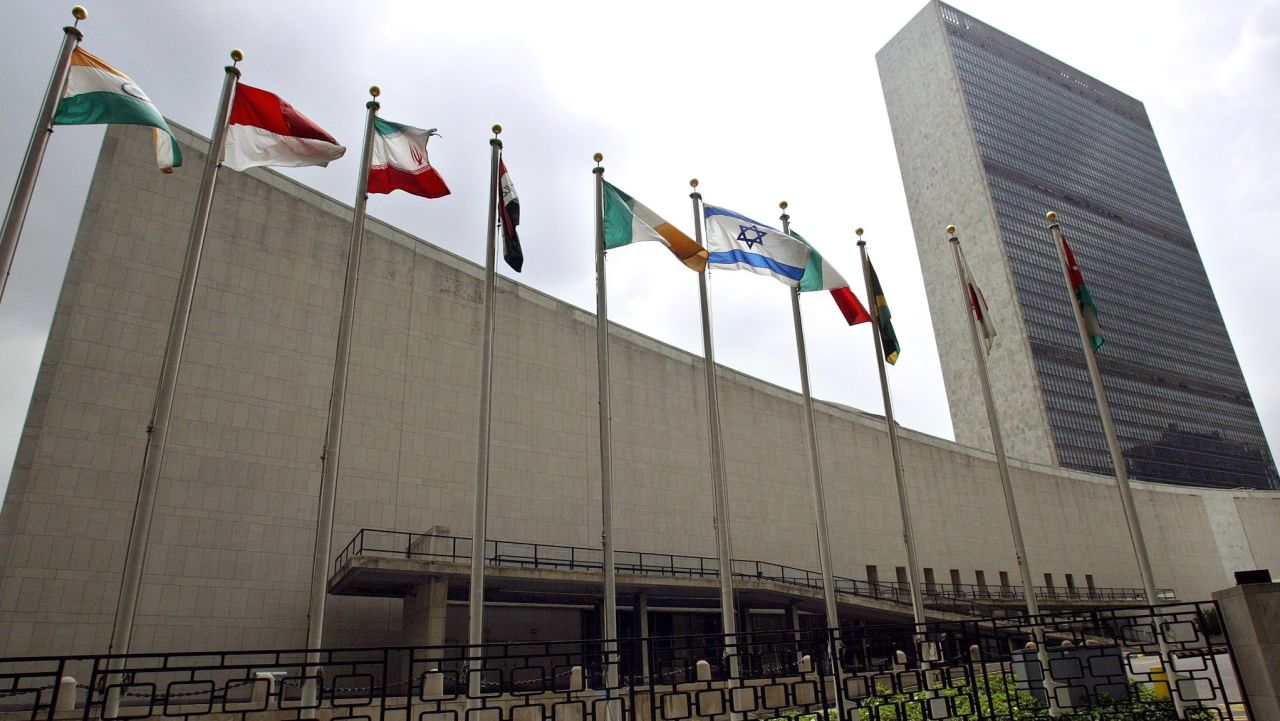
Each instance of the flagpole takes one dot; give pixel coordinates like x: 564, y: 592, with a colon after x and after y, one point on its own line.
x: 480, y: 520
x: 815, y: 468
x: 606, y: 452
x: 331, y: 455
x: 1108, y: 426
x: 25, y: 187
x: 1006, y: 482
x: 157, y: 431
x: 1117, y: 460
x: 908, y: 536
x: 719, y: 479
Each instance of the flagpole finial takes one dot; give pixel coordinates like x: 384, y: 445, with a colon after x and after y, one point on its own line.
x: 783, y: 205
x: 1051, y: 216
x: 375, y: 91
x: 693, y: 183
x: 951, y: 230
x: 859, y: 232
x: 598, y: 157
x: 236, y: 55
x: 497, y: 130
x: 79, y: 13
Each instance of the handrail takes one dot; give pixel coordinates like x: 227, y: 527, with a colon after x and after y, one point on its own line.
x: 967, y: 598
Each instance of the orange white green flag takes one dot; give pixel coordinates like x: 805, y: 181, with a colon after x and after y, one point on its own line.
x: 98, y: 94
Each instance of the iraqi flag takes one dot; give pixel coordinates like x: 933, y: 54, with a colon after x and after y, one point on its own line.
x: 399, y: 161
x: 821, y: 275
x: 509, y: 214
x: 265, y: 130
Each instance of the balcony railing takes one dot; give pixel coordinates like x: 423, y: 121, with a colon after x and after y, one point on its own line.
x: 969, y: 599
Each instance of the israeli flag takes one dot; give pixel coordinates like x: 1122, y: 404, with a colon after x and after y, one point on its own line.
x: 736, y: 242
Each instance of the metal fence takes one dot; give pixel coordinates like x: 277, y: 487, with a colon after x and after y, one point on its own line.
x: 1098, y: 664
x: 970, y: 599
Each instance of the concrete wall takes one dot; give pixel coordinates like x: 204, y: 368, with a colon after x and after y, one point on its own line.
x: 230, y: 552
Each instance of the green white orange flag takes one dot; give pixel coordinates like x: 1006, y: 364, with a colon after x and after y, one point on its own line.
x: 1088, y: 311
x: 399, y: 161
x: 627, y: 221
x: 821, y: 275
x: 98, y: 94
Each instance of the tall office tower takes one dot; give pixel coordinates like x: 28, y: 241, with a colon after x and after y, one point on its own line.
x: 991, y: 134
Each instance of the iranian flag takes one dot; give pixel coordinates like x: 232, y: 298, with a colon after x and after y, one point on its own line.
x: 399, y: 161
x: 98, y: 94
x: 265, y: 130
x: 627, y: 221
x: 821, y: 275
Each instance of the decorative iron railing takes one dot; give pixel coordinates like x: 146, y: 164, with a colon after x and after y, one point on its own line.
x: 1170, y: 661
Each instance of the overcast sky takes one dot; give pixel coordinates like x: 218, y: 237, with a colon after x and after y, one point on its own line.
x: 762, y: 101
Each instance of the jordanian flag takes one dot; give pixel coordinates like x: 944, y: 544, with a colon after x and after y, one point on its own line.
x: 821, y: 275
x: 98, y: 94
x: 627, y: 221
x: 1088, y: 311
x: 888, y: 339
x: 399, y: 161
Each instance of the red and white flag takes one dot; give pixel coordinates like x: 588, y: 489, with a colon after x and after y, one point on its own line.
x: 509, y: 215
x: 978, y: 305
x: 265, y: 130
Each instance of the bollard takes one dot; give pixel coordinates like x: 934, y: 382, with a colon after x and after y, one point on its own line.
x: 806, y: 664
x: 1031, y: 646
x: 66, y: 694
x: 975, y: 653
x: 576, y: 680
x: 432, y: 684
x: 704, y: 670
x: 900, y: 661
x: 1092, y: 643
x: 1068, y: 644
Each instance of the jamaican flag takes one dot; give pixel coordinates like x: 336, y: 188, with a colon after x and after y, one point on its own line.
x: 888, y: 339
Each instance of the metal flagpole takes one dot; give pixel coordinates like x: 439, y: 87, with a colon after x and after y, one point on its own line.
x: 719, y: 478
x: 1108, y: 426
x: 606, y: 456
x: 1117, y: 461
x: 815, y: 469
x: 1002, y: 464
x: 337, y: 401
x: 23, y: 189
x: 157, y: 431
x: 908, y: 537
x: 480, y: 520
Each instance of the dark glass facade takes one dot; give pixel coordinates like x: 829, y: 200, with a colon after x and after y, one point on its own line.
x: 1050, y: 137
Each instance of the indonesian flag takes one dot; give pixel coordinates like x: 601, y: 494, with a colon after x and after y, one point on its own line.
x: 399, y: 161
x: 509, y: 214
x: 265, y: 130
x: 978, y: 304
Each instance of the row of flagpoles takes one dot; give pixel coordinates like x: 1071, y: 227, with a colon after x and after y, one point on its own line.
x: 253, y: 127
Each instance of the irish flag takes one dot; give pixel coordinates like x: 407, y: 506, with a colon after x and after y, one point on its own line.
x: 98, y: 94
x: 627, y: 221
x: 821, y: 275
x: 399, y: 161
x: 265, y: 130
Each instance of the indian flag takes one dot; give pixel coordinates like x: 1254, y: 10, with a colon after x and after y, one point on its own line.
x: 98, y: 94
x: 627, y: 221
x: 399, y: 161
x: 821, y: 275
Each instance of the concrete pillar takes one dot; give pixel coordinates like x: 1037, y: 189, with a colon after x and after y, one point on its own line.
x: 66, y: 694
x: 425, y: 611
x: 1251, y: 618
x: 642, y: 627
x: 793, y: 616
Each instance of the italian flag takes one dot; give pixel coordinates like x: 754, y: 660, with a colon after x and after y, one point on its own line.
x: 98, y: 94
x: 1088, y: 311
x: 821, y: 275
x: 399, y: 161
x: 265, y: 130
x: 627, y: 221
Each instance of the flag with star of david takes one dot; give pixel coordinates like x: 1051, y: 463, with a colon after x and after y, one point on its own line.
x: 736, y: 242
